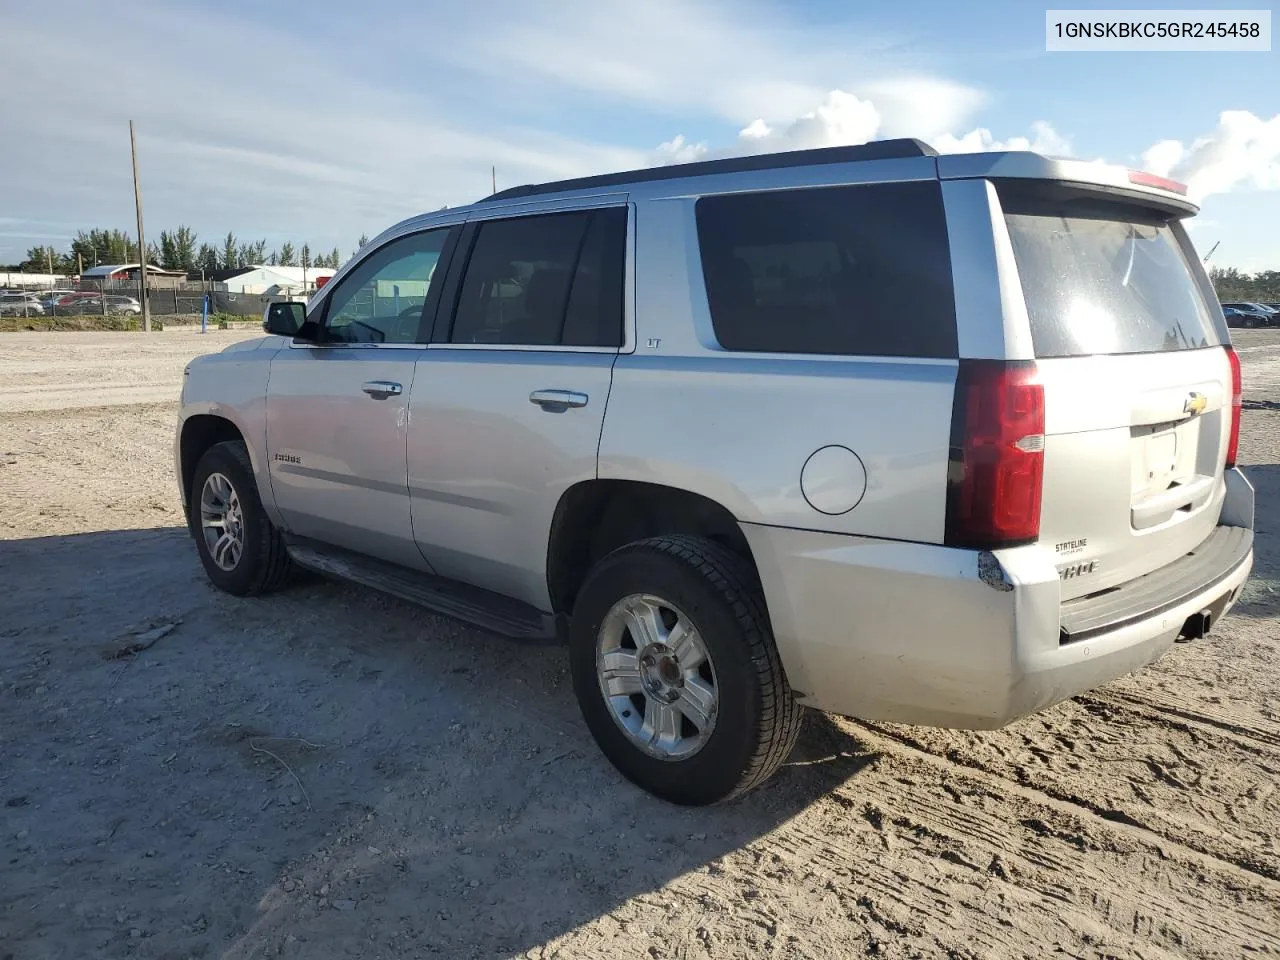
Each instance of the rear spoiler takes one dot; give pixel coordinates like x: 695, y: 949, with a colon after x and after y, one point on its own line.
x: 1109, y: 178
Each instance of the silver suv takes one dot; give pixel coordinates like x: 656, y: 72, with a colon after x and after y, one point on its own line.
x: 931, y: 439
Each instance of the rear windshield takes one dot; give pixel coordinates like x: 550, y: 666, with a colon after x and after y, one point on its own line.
x: 1105, y: 277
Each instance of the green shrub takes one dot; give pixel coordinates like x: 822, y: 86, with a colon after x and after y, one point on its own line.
x: 81, y: 322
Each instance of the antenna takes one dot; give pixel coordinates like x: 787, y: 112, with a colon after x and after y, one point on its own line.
x: 1210, y: 253
x: 493, y: 171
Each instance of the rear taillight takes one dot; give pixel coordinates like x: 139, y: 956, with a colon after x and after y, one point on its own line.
x: 996, y: 472
x: 1233, y: 439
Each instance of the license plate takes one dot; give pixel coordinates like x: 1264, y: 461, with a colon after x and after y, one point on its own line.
x: 1161, y: 456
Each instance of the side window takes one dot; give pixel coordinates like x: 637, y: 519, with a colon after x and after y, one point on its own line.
x: 546, y: 280
x: 859, y: 270
x: 594, y: 314
x: 381, y: 300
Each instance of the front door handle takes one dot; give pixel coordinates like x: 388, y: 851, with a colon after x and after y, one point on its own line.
x: 556, y: 400
x: 381, y: 389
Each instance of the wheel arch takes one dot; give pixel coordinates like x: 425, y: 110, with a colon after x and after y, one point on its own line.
x: 199, y: 432
x: 595, y: 517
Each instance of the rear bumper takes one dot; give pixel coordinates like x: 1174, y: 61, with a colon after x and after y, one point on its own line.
x: 930, y: 635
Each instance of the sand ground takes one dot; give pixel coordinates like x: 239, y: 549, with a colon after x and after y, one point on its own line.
x: 331, y: 773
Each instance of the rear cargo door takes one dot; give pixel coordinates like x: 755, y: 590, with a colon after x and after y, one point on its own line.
x: 1137, y: 383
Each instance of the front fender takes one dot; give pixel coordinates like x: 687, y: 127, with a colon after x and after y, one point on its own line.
x: 233, y: 386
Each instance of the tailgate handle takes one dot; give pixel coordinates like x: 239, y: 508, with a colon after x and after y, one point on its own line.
x: 1174, y: 406
x: 1161, y: 507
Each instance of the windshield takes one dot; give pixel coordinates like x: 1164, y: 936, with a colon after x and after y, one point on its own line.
x: 1105, y: 278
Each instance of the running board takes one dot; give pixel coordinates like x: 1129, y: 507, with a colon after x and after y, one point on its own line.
x: 478, y: 607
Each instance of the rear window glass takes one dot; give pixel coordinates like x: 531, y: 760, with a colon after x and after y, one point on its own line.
x: 1104, y: 278
x: 856, y: 270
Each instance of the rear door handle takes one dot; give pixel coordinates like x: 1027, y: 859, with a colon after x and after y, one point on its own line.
x: 381, y: 389
x: 553, y: 400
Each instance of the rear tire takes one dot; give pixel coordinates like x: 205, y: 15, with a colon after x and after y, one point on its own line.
x: 242, y: 551
x: 706, y: 597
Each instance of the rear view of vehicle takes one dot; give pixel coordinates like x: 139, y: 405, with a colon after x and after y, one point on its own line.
x: 1141, y: 400
x: 1103, y: 444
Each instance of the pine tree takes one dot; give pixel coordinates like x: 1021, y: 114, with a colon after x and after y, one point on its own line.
x: 120, y: 248
x: 287, y: 255
x: 207, y: 259
x: 184, y: 242
x: 230, y: 252
x: 41, y: 258
x: 168, y: 251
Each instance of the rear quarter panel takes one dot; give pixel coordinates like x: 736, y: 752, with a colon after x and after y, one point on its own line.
x: 738, y: 428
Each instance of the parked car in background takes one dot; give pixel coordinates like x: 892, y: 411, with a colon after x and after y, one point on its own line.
x: 92, y: 303
x: 20, y: 305
x: 123, y: 305
x: 1238, y: 318
x: 51, y: 297
x: 1248, y: 315
x: 67, y: 298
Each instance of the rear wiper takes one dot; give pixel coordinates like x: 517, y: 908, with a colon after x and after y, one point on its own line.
x: 1133, y: 245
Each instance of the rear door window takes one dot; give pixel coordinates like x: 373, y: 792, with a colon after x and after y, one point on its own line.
x: 1104, y: 277
x: 551, y: 279
x: 850, y: 270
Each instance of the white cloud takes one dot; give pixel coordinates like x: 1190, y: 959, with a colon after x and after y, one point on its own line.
x: 678, y: 150
x: 336, y: 131
x: 1243, y: 151
x: 250, y: 147
x: 1044, y: 139
x: 841, y: 118
x: 730, y: 59
x: 844, y: 119
x: 922, y: 106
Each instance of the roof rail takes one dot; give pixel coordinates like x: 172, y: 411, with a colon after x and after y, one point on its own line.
x: 875, y: 150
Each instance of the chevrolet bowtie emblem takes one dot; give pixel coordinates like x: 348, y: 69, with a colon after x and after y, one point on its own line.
x: 1195, y: 404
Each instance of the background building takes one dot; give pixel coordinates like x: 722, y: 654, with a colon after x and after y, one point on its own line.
x: 125, y: 274
x: 271, y: 280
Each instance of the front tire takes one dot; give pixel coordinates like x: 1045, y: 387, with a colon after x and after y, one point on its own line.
x: 242, y: 551
x: 676, y: 671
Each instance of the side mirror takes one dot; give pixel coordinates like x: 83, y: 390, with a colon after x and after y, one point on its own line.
x: 285, y: 319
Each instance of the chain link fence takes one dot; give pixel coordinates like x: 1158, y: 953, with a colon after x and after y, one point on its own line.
x: 31, y: 296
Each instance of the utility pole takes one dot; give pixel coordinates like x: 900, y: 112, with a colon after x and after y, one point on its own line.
x: 142, y: 240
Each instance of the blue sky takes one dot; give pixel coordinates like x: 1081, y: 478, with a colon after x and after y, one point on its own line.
x: 320, y: 121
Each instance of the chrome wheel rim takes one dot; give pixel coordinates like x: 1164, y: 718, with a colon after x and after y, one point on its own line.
x: 222, y: 521
x: 656, y: 676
